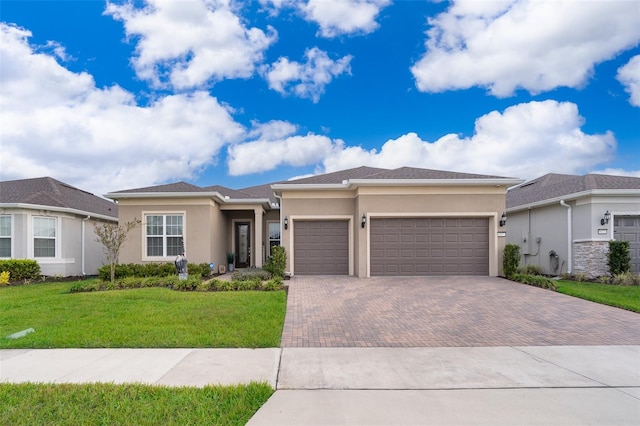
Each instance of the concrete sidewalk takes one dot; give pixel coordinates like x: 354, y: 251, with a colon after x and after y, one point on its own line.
x: 568, y: 385
x: 349, y: 386
x: 168, y: 367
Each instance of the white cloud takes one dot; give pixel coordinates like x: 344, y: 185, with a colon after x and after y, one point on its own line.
x: 190, y: 43
x: 271, y: 151
x: 618, y: 172
x: 57, y: 123
x: 629, y: 76
x: 306, y: 80
x: 524, y: 141
x: 529, y: 44
x: 338, y: 17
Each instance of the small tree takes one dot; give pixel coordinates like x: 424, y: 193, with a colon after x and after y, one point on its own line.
x: 112, y: 236
x: 511, y: 260
x: 619, y: 258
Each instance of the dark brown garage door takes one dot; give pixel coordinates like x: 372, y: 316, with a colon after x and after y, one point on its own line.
x: 430, y: 246
x: 321, y: 247
x: 627, y: 228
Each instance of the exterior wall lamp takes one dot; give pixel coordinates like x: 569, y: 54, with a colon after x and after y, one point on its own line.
x: 286, y: 222
x: 503, y: 219
x: 363, y: 221
x: 605, y: 218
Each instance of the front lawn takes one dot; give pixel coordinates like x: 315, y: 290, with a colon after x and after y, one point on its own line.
x: 129, y: 404
x: 626, y: 297
x: 140, y: 318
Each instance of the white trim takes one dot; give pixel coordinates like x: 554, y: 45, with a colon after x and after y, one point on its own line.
x: 145, y: 257
x: 354, y: 183
x: 348, y: 218
x: 58, y: 210
x: 576, y: 195
x: 492, y: 229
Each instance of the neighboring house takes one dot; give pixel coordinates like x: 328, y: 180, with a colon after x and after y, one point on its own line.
x: 564, y: 223
x: 363, y: 222
x: 52, y: 222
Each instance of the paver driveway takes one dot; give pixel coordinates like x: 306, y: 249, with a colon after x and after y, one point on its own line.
x: 445, y: 311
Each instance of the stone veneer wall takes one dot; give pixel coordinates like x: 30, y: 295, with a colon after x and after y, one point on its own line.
x: 590, y: 258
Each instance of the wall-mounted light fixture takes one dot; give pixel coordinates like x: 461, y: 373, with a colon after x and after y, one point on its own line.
x: 363, y: 221
x: 605, y: 218
x: 286, y: 222
x: 503, y: 219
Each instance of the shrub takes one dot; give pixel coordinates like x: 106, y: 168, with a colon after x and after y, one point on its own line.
x: 535, y: 280
x: 273, y: 284
x: 530, y: 270
x: 21, y: 269
x: 604, y: 280
x: 626, y: 278
x: 250, y: 275
x: 4, y: 277
x: 511, y: 260
x: 619, y: 257
x: 151, y: 270
x: 277, y: 262
x: 581, y: 277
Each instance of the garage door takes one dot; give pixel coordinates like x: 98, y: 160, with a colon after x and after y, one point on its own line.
x: 627, y: 228
x: 430, y: 246
x: 321, y: 247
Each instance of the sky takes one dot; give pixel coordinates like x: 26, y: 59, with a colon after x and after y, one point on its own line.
x: 109, y: 96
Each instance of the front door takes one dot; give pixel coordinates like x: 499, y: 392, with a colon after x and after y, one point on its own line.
x: 243, y: 245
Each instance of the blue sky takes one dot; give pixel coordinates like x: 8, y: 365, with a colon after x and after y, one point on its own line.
x: 116, y: 95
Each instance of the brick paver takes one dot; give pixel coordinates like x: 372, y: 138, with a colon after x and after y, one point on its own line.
x: 445, y: 311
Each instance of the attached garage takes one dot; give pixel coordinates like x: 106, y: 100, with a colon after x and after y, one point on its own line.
x: 429, y: 246
x: 321, y: 247
x: 627, y: 228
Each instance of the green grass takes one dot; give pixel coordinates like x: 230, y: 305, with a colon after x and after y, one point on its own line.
x: 132, y: 404
x: 140, y: 318
x: 626, y: 297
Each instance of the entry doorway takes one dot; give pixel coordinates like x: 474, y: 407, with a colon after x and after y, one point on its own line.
x: 243, y: 244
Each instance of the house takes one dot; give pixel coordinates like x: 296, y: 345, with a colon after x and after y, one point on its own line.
x: 563, y: 223
x: 363, y: 222
x: 52, y: 222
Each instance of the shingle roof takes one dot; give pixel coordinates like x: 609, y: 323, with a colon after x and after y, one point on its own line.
x: 338, y: 177
x: 46, y: 191
x: 170, y: 187
x: 551, y: 186
x: 261, y: 191
x: 416, y: 173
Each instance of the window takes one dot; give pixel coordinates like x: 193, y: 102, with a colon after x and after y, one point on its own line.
x: 164, y: 235
x: 5, y: 236
x: 274, y: 235
x: 44, y: 237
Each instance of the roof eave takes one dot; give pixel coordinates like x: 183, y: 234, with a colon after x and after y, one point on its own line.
x: 221, y: 198
x: 575, y: 196
x: 353, y: 183
x: 57, y: 209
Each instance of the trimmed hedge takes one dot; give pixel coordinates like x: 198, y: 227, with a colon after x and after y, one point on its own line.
x: 20, y: 269
x: 151, y: 270
x: 535, y: 280
x: 193, y: 283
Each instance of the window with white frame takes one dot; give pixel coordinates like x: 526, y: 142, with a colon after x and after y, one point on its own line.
x: 5, y: 235
x: 274, y: 235
x: 164, y: 235
x: 44, y: 236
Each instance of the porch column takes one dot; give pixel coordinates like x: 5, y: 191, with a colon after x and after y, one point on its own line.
x: 257, y: 256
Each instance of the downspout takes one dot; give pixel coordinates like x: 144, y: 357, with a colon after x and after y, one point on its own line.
x: 84, y: 274
x: 569, y: 243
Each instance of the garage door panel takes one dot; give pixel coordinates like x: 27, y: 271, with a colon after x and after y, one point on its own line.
x: 627, y: 228
x: 321, y: 247
x: 434, y: 246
